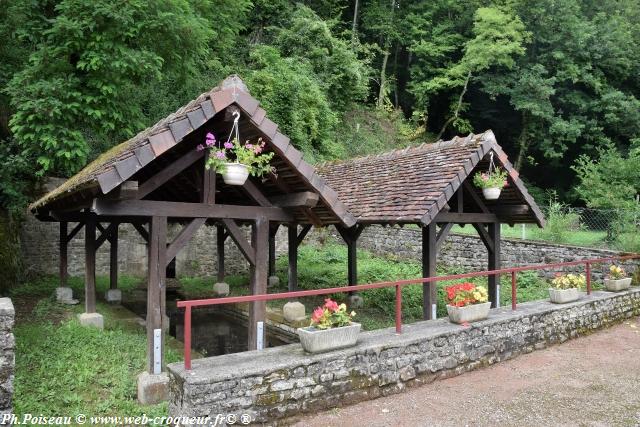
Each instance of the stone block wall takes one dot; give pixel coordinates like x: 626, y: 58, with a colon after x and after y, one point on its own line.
x: 283, y: 382
x: 39, y: 244
x: 7, y: 355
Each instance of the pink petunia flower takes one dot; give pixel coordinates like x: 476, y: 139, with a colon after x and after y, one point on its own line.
x: 317, y: 314
x: 200, y: 147
x: 220, y: 155
x: 331, y: 305
x: 228, y: 145
x: 249, y: 146
x: 210, y: 136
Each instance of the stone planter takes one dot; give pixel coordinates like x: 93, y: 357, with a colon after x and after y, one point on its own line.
x: 561, y: 296
x: 320, y: 340
x: 617, y: 285
x: 491, y: 193
x: 469, y: 313
x: 235, y: 173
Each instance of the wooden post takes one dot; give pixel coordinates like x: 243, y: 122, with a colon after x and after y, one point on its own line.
x: 352, y: 262
x: 494, y: 264
x: 292, y: 239
x: 64, y: 231
x: 273, y: 230
x: 429, y: 256
x: 259, y: 271
x: 113, y: 258
x: 156, y: 290
x: 220, y: 238
x: 90, y: 265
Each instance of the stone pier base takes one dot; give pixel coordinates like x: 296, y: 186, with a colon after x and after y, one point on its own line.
x: 153, y: 388
x: 113, y: 296
x: 91, y: 319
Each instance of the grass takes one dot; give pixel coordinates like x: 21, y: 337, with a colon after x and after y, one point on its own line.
x: 586, y: 238
x: 64, y: 368
x: 325, y: 267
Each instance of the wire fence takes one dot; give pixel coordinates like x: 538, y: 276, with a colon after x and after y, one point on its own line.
x: 614, y: 229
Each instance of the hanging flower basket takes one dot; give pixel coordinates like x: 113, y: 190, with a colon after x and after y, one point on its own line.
x: 235, y: 173
x: 492, y: 181
x: 235, y: 161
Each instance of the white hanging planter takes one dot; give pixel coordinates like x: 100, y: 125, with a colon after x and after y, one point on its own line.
x: 235, y: 173
x: 491, y: 193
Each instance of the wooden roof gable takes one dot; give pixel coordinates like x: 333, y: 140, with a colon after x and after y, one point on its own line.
x: 414, y: 185
x: 114, y: 167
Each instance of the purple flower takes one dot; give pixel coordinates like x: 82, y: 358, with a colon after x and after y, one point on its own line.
x: 210, y: 136
x: 248, y: 146
x: 210, y: 142
x: 220, y: 155
x: 228, y: 145
x: 200, y: 147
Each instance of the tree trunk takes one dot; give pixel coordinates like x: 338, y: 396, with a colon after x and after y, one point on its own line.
x: 523, y: 143
x: 456, y: 112
x: 383, y: 77
x: 354, y: 28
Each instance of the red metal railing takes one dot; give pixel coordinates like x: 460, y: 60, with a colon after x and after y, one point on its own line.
x: 189, y: 304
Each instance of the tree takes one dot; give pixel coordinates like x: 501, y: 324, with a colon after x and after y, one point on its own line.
x: 88, y: 59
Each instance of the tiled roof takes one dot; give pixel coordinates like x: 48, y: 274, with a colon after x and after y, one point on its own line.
x: 413, y: 184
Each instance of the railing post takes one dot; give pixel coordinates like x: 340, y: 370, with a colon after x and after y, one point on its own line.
x: 513, y: 290
x: 398, y: 309
x: 187, y: 338
x: 588, y: 265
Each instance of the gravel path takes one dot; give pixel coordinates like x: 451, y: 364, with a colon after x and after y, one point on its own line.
x: 592, y: 381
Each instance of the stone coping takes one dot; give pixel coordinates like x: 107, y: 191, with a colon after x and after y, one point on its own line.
x: 232, y: 366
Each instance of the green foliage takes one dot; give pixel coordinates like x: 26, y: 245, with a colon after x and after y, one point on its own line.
x: 341, y: 74
x: 50, y: 352
x: 85, y: 64
x: 290, y: 92
x: 612, y: 181
x: 560, y: 222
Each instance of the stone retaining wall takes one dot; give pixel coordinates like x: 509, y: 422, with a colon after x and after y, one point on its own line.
x: 283, y: 382
x: 40, y: 250
x: 7, y: 355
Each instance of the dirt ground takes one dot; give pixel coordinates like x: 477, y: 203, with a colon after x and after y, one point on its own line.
x: 590, y: 381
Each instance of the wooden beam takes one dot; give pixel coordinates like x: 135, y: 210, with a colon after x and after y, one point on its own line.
x: 465, y: 218
x: 474, y: 196
x: 209, y: 186
x: 63, y: 242
x: 156, y: 288
x: 221, y: 236
x: 75, y: 231
x: 303, y: 233
x: 273, y: 230
x: 113, y: 257
x: 187, y: 232
x: 484, y: 236
x: 258, y: 270
x: 169, y: 172
x: 507, y: 210
x: 148, y: 208
x: 429, y: 258
x: 237, y: 236
x: 105, y: 233
x: 293, y: 241
x: 90, y: 265
x: 307, y: 199
x: 142, y: 231
x: 442, y: 235
x: 350, y: 236
x: 254, y: 192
